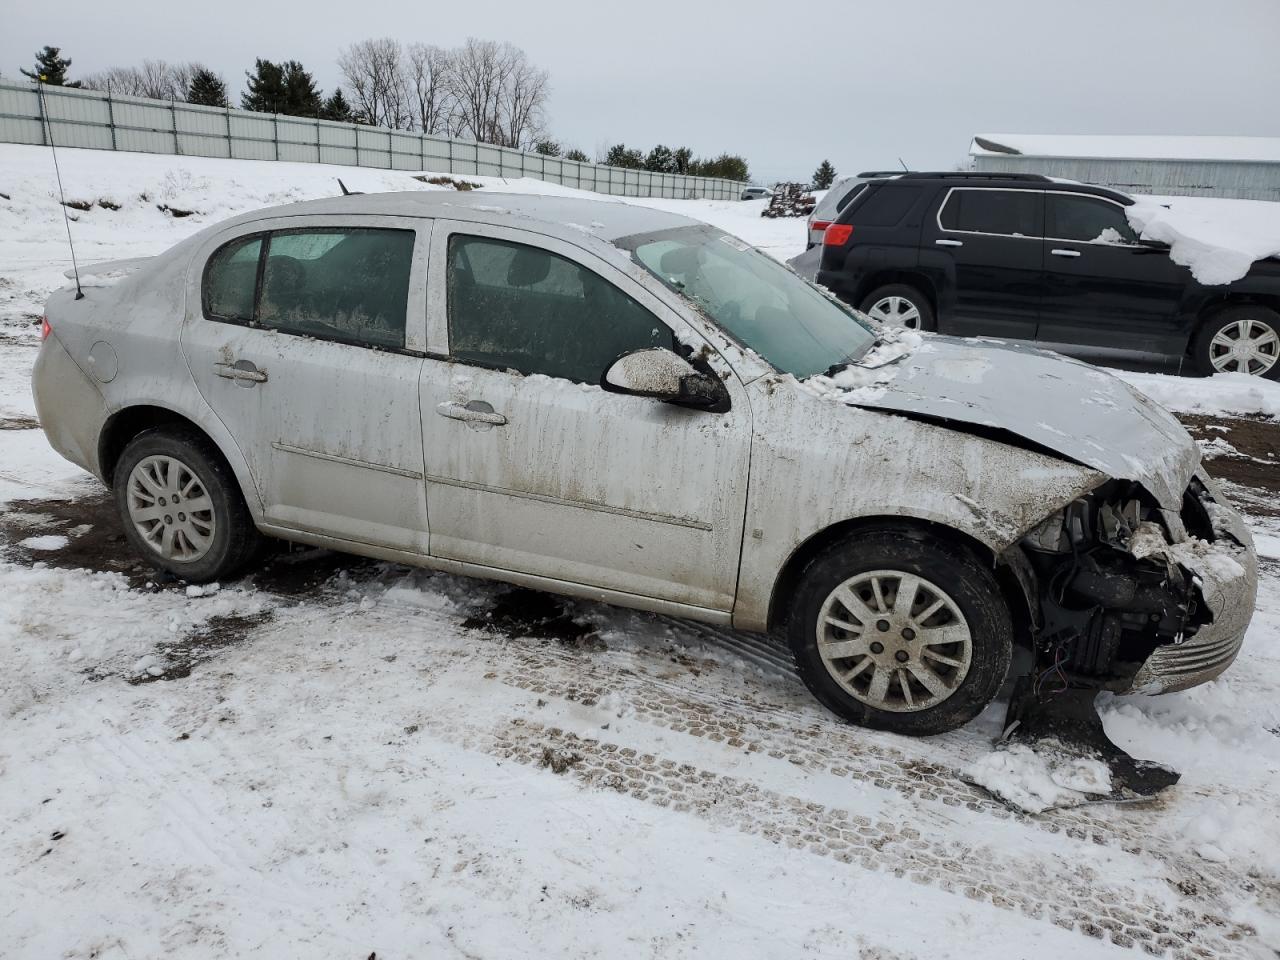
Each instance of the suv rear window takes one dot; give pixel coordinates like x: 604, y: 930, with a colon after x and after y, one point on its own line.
x: 885, y: 207
x: 1013, y: 213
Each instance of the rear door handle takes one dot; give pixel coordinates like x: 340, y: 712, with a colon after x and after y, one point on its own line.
x: 242, y: 371
x: 949, y: 243
x: 474, y: 411
x: 1057, y: 252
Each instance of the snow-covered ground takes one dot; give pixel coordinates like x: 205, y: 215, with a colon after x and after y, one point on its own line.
x: 343, y: 758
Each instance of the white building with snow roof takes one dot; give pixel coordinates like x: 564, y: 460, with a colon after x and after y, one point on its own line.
x: 1239, y: 167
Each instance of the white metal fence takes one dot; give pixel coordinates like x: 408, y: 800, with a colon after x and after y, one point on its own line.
x: 100, y: 121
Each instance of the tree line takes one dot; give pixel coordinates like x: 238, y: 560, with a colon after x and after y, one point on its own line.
x: 482, y: 90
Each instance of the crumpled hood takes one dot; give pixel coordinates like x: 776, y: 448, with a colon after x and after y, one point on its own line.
x: 1063, y: 405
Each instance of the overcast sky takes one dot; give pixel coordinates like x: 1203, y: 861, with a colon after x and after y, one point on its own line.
x: 785, y: 86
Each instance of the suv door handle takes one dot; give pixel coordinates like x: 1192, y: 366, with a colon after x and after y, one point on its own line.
x: 1058, y: 252
x: 473, y: 411
x: 242, y: 371
x: 949, y: 243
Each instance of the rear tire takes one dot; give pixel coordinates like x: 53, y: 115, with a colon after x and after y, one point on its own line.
x: 1239, y: 339
x: 900, y: 305
x: 181, y: 506
x: 900, y: 630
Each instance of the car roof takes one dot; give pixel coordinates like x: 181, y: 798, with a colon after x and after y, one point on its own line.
x: 606, y: 219
x: 1012, y: 181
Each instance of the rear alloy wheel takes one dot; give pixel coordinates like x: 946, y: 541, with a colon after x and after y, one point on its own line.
x: 898, y: 305
x: 901, y: 630
x: 181, y: 506
x: 1243, y: 339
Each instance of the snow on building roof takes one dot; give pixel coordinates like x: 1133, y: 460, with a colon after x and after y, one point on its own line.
x: 1248, y: 149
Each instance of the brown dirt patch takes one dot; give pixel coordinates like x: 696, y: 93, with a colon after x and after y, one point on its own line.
x: 1254, y: 472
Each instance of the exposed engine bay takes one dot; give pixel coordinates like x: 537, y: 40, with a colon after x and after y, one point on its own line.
x: 1131, y: 598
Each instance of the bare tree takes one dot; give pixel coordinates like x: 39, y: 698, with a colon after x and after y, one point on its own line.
x: 500, y: 96
x: 157, y: 79
x: 429, y: 71
x: 376, y: 79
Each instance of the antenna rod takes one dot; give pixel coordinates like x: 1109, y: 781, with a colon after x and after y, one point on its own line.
x: 904, y: 166
x: 62, y: 197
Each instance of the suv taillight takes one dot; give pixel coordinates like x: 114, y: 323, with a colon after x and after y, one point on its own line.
x: 837, y: 235
x: 45, y: 329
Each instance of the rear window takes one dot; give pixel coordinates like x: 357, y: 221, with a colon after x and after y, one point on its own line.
x: 837, y: 199
x: 1013, y: 213
x: 885, y: 207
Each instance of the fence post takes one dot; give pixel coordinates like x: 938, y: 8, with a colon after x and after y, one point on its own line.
x: 111, y: 119
x: 275, y: 133
x: 44, y: 119
x: 231, y: 147
x: 317, y: 137
x: 173, y: 121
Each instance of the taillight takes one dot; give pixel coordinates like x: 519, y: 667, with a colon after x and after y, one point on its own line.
x: 45, y: 329
x: 837, y: 235
x: 820, y: 225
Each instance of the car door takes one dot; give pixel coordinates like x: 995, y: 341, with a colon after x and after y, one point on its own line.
x: 1102, y: 286
x: 986, y: 243
x: 531, y: 466
x: 305, y: 336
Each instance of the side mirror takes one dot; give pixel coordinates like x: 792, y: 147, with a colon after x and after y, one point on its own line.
x: 657, y: 372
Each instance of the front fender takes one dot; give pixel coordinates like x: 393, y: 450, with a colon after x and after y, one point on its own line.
x: 816, y: 463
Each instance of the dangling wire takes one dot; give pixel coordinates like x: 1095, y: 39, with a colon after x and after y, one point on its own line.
x: 62, y: 197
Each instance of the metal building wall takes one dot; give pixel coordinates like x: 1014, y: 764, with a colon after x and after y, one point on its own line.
x: 95, y: 120
x: 1244, y: 180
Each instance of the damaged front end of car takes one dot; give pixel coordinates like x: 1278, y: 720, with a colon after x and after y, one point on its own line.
x: 1129, y: 597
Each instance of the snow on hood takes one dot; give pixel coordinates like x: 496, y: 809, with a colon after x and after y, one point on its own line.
x: 1217, y: 240
x: 1063, y: 405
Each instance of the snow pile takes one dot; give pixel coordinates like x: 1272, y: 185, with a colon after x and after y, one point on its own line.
x: 1219, y: 240
x: 1223, y: 393
x: 1040, y: 779
x: 865, y: 380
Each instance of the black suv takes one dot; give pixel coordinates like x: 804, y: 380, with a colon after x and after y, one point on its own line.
x: 1030, y: 258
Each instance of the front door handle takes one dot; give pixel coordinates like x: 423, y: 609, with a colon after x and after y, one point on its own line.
x: 1058, y: 252
x: 949, y: 243
x: 241, y: 371
x: 474, y: 411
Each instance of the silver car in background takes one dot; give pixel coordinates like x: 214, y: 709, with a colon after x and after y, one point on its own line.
x: 612, y: 402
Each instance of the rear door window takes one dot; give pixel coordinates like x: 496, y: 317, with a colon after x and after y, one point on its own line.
x: 519, y: 307
x: 344, y: 284
x: 1087, y: 220
x: 231, y: 279
x: 1011, y: 213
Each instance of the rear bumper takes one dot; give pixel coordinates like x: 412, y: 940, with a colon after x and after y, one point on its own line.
x: 69, y: 405
x: 1228, y: 581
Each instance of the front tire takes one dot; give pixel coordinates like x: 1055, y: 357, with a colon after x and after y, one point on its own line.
x: 899, y: 630
x: 899, y: 305
x: 1239, y: 339
x: 181, y: 506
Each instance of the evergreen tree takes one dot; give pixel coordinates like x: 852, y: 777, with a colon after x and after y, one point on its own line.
x: 578, y: 155
x: 620, y: 156
x: 547, y: 148
x: 336, y: 108
x: 207, y: 89
x: 660, y: 160
x: 265, y: 93
x: 301, y: 95
x: 726, y: 166
x: 682, y: 158
x: 50, y: 68
x: 824, y: 176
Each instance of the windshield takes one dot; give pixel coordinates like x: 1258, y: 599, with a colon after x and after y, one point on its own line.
x: 753, y: 298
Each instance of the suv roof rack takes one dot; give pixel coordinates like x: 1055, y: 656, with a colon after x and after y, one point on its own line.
x: 873, y: 174
x: 974, y: 175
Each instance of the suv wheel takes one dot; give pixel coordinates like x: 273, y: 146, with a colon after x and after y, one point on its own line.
x: 899, y: 305
x: 181, y: 506
x: 1241, y: 339
x: 902, y: 631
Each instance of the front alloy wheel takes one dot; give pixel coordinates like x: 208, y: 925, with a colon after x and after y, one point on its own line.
x: 895, y: 641
x: 1246, y: 345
